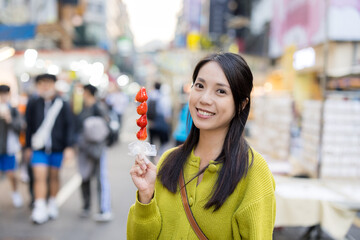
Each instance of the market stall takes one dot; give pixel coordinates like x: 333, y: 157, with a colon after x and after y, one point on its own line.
x: 309, y: 202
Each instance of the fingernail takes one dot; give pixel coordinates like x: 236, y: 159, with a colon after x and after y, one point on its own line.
x: 146, y: 160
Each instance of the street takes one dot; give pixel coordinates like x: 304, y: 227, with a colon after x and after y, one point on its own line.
x: 16, y: 223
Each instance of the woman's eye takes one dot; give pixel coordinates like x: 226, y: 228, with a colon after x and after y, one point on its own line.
x: 221, y: 91
x: 198, y: 85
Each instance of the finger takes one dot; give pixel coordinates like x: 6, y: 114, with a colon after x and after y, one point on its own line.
x: 140, y: 171
x: 140, y: 161
x: 146, y: 160
x: 143, y: 158
x: 152, y: 166
x: 136, y: 169
x: 141, y: 164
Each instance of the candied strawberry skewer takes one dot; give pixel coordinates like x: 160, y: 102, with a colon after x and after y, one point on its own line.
x: 141, y: 96
x: 141, y: 147
x: 142, y: 134
x: 142, y: 108
x: 142, y: 121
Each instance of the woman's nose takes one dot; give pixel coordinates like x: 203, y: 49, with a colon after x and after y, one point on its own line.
x: 206, y: 98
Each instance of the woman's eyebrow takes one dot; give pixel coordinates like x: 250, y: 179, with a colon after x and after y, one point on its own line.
x: 201, y: 80
x: 223, y: 85
x: 218, y: 84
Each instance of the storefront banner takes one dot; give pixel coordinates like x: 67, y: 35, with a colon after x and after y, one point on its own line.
x: 192, y: 14
x: 303, y: 23
x: 43, y: 12
x: 13, y: 33
x: 28, y: 11
x: 95, y: 11
x: 218, y: 12
x: 344, y: 20
x: 70, y: 2
x: 299, y: 23
x: 14, y: 12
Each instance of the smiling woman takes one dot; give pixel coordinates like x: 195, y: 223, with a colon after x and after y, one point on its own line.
x: 152, y: 20
x: 211, y: 102
x: 228, y: 185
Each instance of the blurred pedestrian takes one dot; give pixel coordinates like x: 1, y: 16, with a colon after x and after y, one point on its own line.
x: 184, y: 121
x: 223, y: 182
x: 10, y: 125
x: 182, y: 129
x: 118, y: 102
x: 49, y: 139
x: 27, y: 154
x: 23, y: 166
x: 92, y: 158
x: 159, y: 116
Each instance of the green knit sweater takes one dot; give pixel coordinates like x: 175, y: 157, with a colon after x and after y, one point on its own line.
x: 248, y: 213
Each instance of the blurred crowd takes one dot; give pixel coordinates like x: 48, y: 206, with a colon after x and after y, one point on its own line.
x: 46, y: 129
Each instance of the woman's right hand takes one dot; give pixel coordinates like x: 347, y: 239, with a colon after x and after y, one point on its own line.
x: 144, y: 176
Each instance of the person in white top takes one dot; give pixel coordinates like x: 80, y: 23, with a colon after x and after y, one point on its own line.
x: 160, y: 125
x: 118, y: 101
x: 10, y: 125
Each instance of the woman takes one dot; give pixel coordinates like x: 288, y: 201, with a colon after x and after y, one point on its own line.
x: 230, y: 188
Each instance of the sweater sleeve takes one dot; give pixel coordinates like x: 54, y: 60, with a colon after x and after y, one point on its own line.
x: 144, y: 220
x: 257, y: 220
x: 255, y: 217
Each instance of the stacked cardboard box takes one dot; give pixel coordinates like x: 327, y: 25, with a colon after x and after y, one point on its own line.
x: 310, y: 136
x: 341, y: 138
x: 273, y: 115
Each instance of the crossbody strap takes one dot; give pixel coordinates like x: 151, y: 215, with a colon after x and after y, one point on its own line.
x: 199, y: 233
x: 43, y: 133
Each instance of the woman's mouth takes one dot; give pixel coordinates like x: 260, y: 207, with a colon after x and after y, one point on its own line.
x: 204, y: 113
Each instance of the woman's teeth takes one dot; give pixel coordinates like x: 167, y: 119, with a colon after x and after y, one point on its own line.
x: 205, y: 113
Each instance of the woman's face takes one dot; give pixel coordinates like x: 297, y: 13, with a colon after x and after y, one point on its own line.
x: 211, y: 101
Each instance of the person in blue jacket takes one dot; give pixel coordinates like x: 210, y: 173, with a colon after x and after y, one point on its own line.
x: 183, y: 125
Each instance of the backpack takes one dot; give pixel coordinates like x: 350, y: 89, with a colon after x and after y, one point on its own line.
x: 96, y: 129
x: 114, y: 127
x: 151, y: 113
x: 95, y: 133
x: 112, y: 122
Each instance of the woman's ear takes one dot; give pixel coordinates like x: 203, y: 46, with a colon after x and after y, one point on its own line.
x: 243, y: 104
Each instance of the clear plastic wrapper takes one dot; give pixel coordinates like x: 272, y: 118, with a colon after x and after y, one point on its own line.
x: 142, y: 148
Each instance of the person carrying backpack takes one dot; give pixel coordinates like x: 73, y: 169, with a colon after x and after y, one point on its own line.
x: 117, y: 100
x: 159, y: 116
x: 92, y: 153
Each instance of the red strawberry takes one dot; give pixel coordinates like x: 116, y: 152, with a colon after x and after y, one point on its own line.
x: 142, y: 134
x: 142, y: 121
x: 141, y: 96
x: 142, y: 108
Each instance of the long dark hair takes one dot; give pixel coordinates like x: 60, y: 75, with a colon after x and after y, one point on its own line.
x: 234, y: 154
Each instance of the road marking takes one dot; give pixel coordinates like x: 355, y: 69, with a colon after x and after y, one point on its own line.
x: 68, y: 189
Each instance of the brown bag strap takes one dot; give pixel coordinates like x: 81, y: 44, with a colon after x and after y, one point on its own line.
x: 188, y: 212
